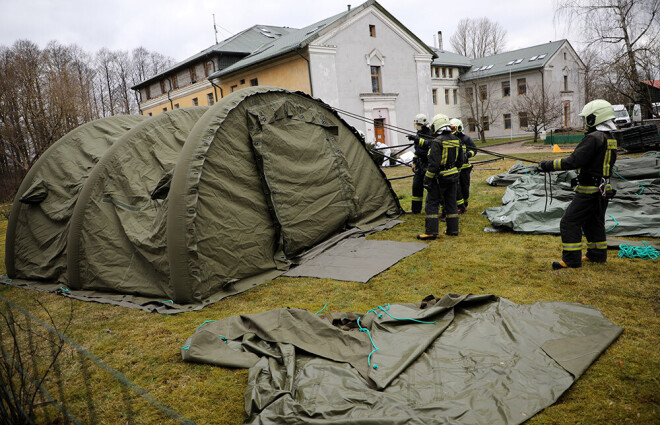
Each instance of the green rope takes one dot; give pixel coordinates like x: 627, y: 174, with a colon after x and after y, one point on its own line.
x: 616, y: 223
x: 645, y: 252
x: 224, y: 338
x: 186, y: 347
x: 326, y: 304
x: 205, y: 322
x: 167, y: 302
x: 64, y: 289
x: 363, y: 329
x: 620, y: 176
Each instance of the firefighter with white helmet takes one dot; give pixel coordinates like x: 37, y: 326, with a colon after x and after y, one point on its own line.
x: 422, y: 141
x: 441, y: 178
x: 594, y: 156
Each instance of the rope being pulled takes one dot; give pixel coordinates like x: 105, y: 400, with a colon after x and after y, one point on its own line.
x: 645, y: 252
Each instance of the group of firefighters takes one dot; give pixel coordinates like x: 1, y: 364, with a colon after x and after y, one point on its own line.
x: 441, y: 166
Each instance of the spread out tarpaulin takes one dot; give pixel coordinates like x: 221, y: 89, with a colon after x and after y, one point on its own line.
x: 461, y: 359
x: 534, y: 203
x: 179, y: 210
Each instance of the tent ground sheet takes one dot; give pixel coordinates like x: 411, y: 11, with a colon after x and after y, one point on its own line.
x: 459, y: 359
x: 355, y: 259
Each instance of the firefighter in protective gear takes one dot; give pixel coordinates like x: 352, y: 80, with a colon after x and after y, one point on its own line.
x: 594, y: 156
x: 422, y: 141
x: 468, y: 150
x: 441, y: 178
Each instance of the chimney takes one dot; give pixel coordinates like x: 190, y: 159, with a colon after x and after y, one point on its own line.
x: 440, y: 40
x: 349, y: 7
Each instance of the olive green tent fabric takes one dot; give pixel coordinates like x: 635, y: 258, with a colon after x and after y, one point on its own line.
x: 196, y: 204
x: 128, y: 253
x: 39, y: 219
x: 461, y: 359
x: 534, y: 203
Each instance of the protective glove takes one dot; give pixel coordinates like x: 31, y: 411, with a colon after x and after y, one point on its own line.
x: 413, y: 138
x: 546, y: 166
x: 427, y: 182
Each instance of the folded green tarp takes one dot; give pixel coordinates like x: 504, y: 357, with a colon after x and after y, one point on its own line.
x: 462, y: 359
x: 535, y: 203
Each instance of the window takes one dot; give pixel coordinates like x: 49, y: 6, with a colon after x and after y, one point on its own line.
x: 446, y: 96
x: 254, y: 82
x: 435, y: 96
x: 195, y: 102
x: 522, y: 118
x: 242, y: 82
x: 375, y: 79
x: 209, y: 99
x: 193, y: 75
x: 469, y: 94
x: 162, y: 87
x: 165, y: 109
x: 148, y: 92
x: 483, y: 93
x: 175, y: 82
x: 372, y: 30
x: 232, y: 88
x: 506, y: 89
x: 176, y: 106
x: 455, y: 96
x: 451, y: 72
x: 444, y: 72
x: 509, y: 63
x: 150, y: 114
x: 436, y: 71
x: 533, y: 58
x: 522, y: 86
x: 507, y: 121
x: 208, y: 67
x: 564, y: 55
x: 472, y: 125
x: 484, y: 123
x: 517, y: 61
x: 565, y: 82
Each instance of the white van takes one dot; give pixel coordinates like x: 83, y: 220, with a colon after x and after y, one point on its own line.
x: 621, y: 117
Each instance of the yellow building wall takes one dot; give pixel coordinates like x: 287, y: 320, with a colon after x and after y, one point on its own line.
x: 289, y: 72
x: 183, y: 101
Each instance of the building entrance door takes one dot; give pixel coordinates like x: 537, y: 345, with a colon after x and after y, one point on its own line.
x: 379, y: 130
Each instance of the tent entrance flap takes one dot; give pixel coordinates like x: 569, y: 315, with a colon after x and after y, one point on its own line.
x: 314, y: 194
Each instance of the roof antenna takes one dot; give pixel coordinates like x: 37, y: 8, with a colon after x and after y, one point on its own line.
x: 215, y: 30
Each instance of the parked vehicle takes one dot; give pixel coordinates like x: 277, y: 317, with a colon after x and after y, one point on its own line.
x: 621, y: 117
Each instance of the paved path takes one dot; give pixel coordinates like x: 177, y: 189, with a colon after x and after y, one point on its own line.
x: 517, y: 147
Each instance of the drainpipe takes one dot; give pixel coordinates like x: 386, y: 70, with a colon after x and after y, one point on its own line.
x: 543, y: 96
x: 138, y: 99
x: 309, y: 71
x: 168, y: 93
x: 215, y: 91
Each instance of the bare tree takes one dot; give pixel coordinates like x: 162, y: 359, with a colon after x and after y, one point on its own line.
x: 542, y: 107
x: 476, y: 38
x: 480, y: 105
x: 625, y: 32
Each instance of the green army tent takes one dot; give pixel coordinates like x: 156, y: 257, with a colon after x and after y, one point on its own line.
x: 194, y: 205
x: 39, y: 219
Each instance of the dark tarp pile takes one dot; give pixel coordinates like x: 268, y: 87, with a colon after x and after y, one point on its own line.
x: 179, y: 210
x: 462, y: 359
x: 534, y: 203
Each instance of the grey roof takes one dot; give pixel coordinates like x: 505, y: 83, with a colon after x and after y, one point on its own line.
x: 302, y: 37
x: 242, y: 43
x: 513, y: 61
x: 450, y: 58
x: 287, y: 43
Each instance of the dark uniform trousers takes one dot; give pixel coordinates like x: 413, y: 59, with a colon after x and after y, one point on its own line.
x: 442, y: 191
x: 586, y: 212
x: 418, y: 188
x: 463, y: 189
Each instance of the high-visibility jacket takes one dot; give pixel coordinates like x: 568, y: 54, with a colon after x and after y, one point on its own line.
x: 467, y: 148
x: 444, y: 156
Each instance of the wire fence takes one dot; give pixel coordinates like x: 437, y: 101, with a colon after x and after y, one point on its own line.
x: 48, y: 378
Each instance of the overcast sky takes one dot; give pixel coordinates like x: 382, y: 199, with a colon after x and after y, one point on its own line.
x: 181, y: 28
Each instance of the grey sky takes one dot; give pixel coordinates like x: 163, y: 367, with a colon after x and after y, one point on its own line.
x: 181, y: 28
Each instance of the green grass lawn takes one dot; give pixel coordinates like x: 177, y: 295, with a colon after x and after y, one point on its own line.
x: 620, y: 388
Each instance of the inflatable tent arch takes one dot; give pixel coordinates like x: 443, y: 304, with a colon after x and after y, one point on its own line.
x: 262, y: 176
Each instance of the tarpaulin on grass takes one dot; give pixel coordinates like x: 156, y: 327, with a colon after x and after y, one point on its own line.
x: 461, y: 359
x: 535, y: 203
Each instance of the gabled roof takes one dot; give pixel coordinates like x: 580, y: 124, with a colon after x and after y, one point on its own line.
x: 653, y: 83
x: 298, y: 39
x: 526, y: 59
x: 450, y: 58
x: 242, y: 44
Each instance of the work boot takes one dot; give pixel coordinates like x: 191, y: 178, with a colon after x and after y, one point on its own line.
x: 451, y: 233
x: 427, y: 237
x: 586, y: 259
x: 558, y: 265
